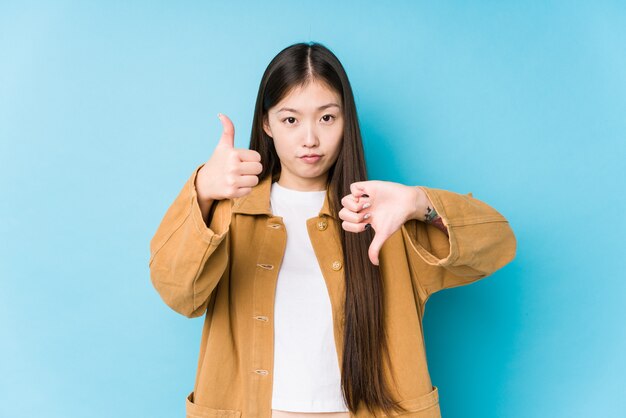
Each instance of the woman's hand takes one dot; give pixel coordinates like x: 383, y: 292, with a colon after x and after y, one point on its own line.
x: 230, y: 172
x: 384, y: 205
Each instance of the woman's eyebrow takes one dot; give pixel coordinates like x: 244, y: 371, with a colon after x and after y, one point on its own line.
x: 288, y: 109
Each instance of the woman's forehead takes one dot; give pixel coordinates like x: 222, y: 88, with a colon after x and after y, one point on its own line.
x: 313, y: 96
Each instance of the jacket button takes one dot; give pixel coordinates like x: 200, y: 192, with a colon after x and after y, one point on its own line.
x: 261, y: 372
x: 336, y: 265
x: 261, y: 318
x: 322, y: 225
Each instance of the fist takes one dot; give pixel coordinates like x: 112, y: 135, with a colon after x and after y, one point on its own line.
x: 384, y: 205
x: 230, y: 172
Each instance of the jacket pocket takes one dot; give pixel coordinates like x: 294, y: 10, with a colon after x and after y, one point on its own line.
x: 425, y: 406
x: 200, y: 411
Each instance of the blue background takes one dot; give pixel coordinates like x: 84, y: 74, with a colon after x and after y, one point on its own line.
x: 107, y: 107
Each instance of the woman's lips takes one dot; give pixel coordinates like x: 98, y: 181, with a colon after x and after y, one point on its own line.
x: 311, y: 160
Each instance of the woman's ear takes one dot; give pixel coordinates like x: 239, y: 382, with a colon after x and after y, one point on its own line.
x: 266, y: 127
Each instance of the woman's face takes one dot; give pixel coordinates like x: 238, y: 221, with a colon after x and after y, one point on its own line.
x: 309, y: 120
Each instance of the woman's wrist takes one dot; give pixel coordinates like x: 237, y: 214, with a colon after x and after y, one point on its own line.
x: 421, y: 204
x: 425, y: 211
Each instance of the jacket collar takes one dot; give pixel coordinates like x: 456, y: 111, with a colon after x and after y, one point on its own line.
x: 257, y: 202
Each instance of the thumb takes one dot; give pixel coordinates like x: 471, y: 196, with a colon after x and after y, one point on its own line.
x: 374, y: 249
x: 228, y: 131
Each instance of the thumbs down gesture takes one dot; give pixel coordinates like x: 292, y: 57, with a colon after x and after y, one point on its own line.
x: 382, y: 205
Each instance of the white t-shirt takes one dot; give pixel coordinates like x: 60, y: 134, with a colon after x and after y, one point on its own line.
x: 307, y: 377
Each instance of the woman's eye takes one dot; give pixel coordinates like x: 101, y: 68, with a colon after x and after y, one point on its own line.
x: 291, y: 120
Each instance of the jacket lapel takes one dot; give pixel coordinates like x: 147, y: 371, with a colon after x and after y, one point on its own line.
x: 257, y: 202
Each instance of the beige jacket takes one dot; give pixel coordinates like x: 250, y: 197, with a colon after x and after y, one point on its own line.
x: 228, y: 272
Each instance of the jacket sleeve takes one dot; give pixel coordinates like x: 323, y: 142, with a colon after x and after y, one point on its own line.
x: 187, y: 258
x: 480, y: 242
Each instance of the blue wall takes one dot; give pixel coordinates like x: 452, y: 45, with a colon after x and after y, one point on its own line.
x: 106, y: 108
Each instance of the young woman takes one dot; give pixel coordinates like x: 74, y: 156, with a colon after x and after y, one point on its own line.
x: 313, y: 279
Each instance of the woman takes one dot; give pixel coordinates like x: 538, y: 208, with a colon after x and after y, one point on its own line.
x: 313, y: 280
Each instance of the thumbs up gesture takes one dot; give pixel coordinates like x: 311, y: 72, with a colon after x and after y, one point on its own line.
x: 230, y: 172
x: 384, y: 205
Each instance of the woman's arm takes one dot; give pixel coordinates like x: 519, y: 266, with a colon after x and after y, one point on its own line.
x: 189, y: 250
x: 467, y: 240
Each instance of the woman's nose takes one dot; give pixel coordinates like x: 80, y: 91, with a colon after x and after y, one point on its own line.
x: 311, y: 136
